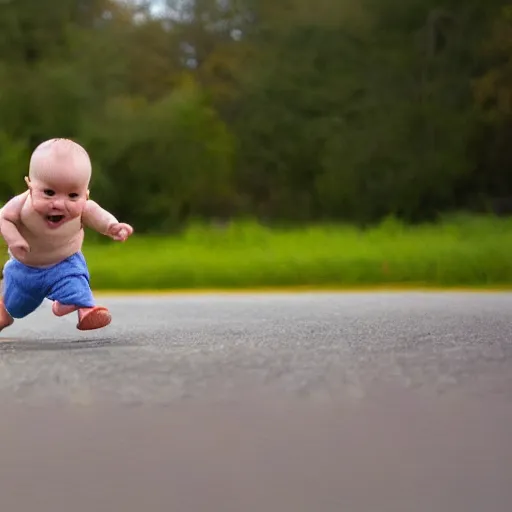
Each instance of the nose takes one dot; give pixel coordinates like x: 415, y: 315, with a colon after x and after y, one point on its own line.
x: 58, y: 204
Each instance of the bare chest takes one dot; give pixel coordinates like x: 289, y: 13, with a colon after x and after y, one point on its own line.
x: 41, y: 237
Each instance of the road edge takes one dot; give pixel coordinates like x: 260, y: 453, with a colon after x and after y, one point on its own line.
x: 302, y: 290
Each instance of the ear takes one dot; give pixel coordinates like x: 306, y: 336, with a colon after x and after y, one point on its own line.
x: 27, y: 181
x: 88, y: 194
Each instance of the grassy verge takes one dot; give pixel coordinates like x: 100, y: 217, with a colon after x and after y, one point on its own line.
x: 459, y: 252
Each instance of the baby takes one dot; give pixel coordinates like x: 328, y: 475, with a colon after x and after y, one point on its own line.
x: 44, y: 231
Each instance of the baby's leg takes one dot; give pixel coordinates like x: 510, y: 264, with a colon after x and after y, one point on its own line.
x: 5, y: 319
x: 68, y: 284
x: 59, y: 309
x: 73, y: 293
x: 22, y: 293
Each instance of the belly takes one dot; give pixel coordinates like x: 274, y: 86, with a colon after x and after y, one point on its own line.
x: 49, y: 250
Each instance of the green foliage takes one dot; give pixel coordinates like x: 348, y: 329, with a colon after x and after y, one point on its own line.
x: 292, y: 111
x: 470, y: 251
x: 179, y: 164
x: 13, y: 165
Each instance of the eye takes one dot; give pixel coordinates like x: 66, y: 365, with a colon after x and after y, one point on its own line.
x: 74, y: 195
x: 49, y: 192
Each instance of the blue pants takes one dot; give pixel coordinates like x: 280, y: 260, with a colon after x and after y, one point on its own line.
x: 26, y: 287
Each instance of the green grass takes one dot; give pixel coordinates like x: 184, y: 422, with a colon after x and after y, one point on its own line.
x: 459, y: 252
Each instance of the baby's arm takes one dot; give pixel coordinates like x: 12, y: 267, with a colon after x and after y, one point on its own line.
x: 10, y: 215
x: 102, y: 221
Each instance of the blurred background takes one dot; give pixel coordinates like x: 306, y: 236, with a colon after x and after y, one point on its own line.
x: 269, y: 143
x: 289, y: 112
x: 293, y: 111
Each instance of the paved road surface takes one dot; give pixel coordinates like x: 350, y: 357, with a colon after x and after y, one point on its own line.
x: 251, y: 403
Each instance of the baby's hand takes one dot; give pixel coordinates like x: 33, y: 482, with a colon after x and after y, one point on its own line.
x: 120, y: 231
x: 19, y: 249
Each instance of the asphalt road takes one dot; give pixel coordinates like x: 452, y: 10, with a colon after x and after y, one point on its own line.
x: 248, y: 403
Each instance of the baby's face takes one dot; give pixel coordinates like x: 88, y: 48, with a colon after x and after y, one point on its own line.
x: 58, y: 202
x: 60, y: 171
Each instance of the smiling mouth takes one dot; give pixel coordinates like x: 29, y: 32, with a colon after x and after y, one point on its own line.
x: 54, y: 219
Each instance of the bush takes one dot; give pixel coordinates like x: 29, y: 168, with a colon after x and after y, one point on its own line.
x: 159, y: 164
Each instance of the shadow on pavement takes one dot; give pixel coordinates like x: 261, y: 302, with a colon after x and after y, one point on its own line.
x: 50, y: 344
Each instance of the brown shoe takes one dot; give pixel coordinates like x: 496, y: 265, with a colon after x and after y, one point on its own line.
x: 93, y: 318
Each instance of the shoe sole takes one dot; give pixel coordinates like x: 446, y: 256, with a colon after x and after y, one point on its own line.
x: 95, y: 319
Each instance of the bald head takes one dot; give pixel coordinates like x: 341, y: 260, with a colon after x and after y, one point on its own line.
x: 60, y: 160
